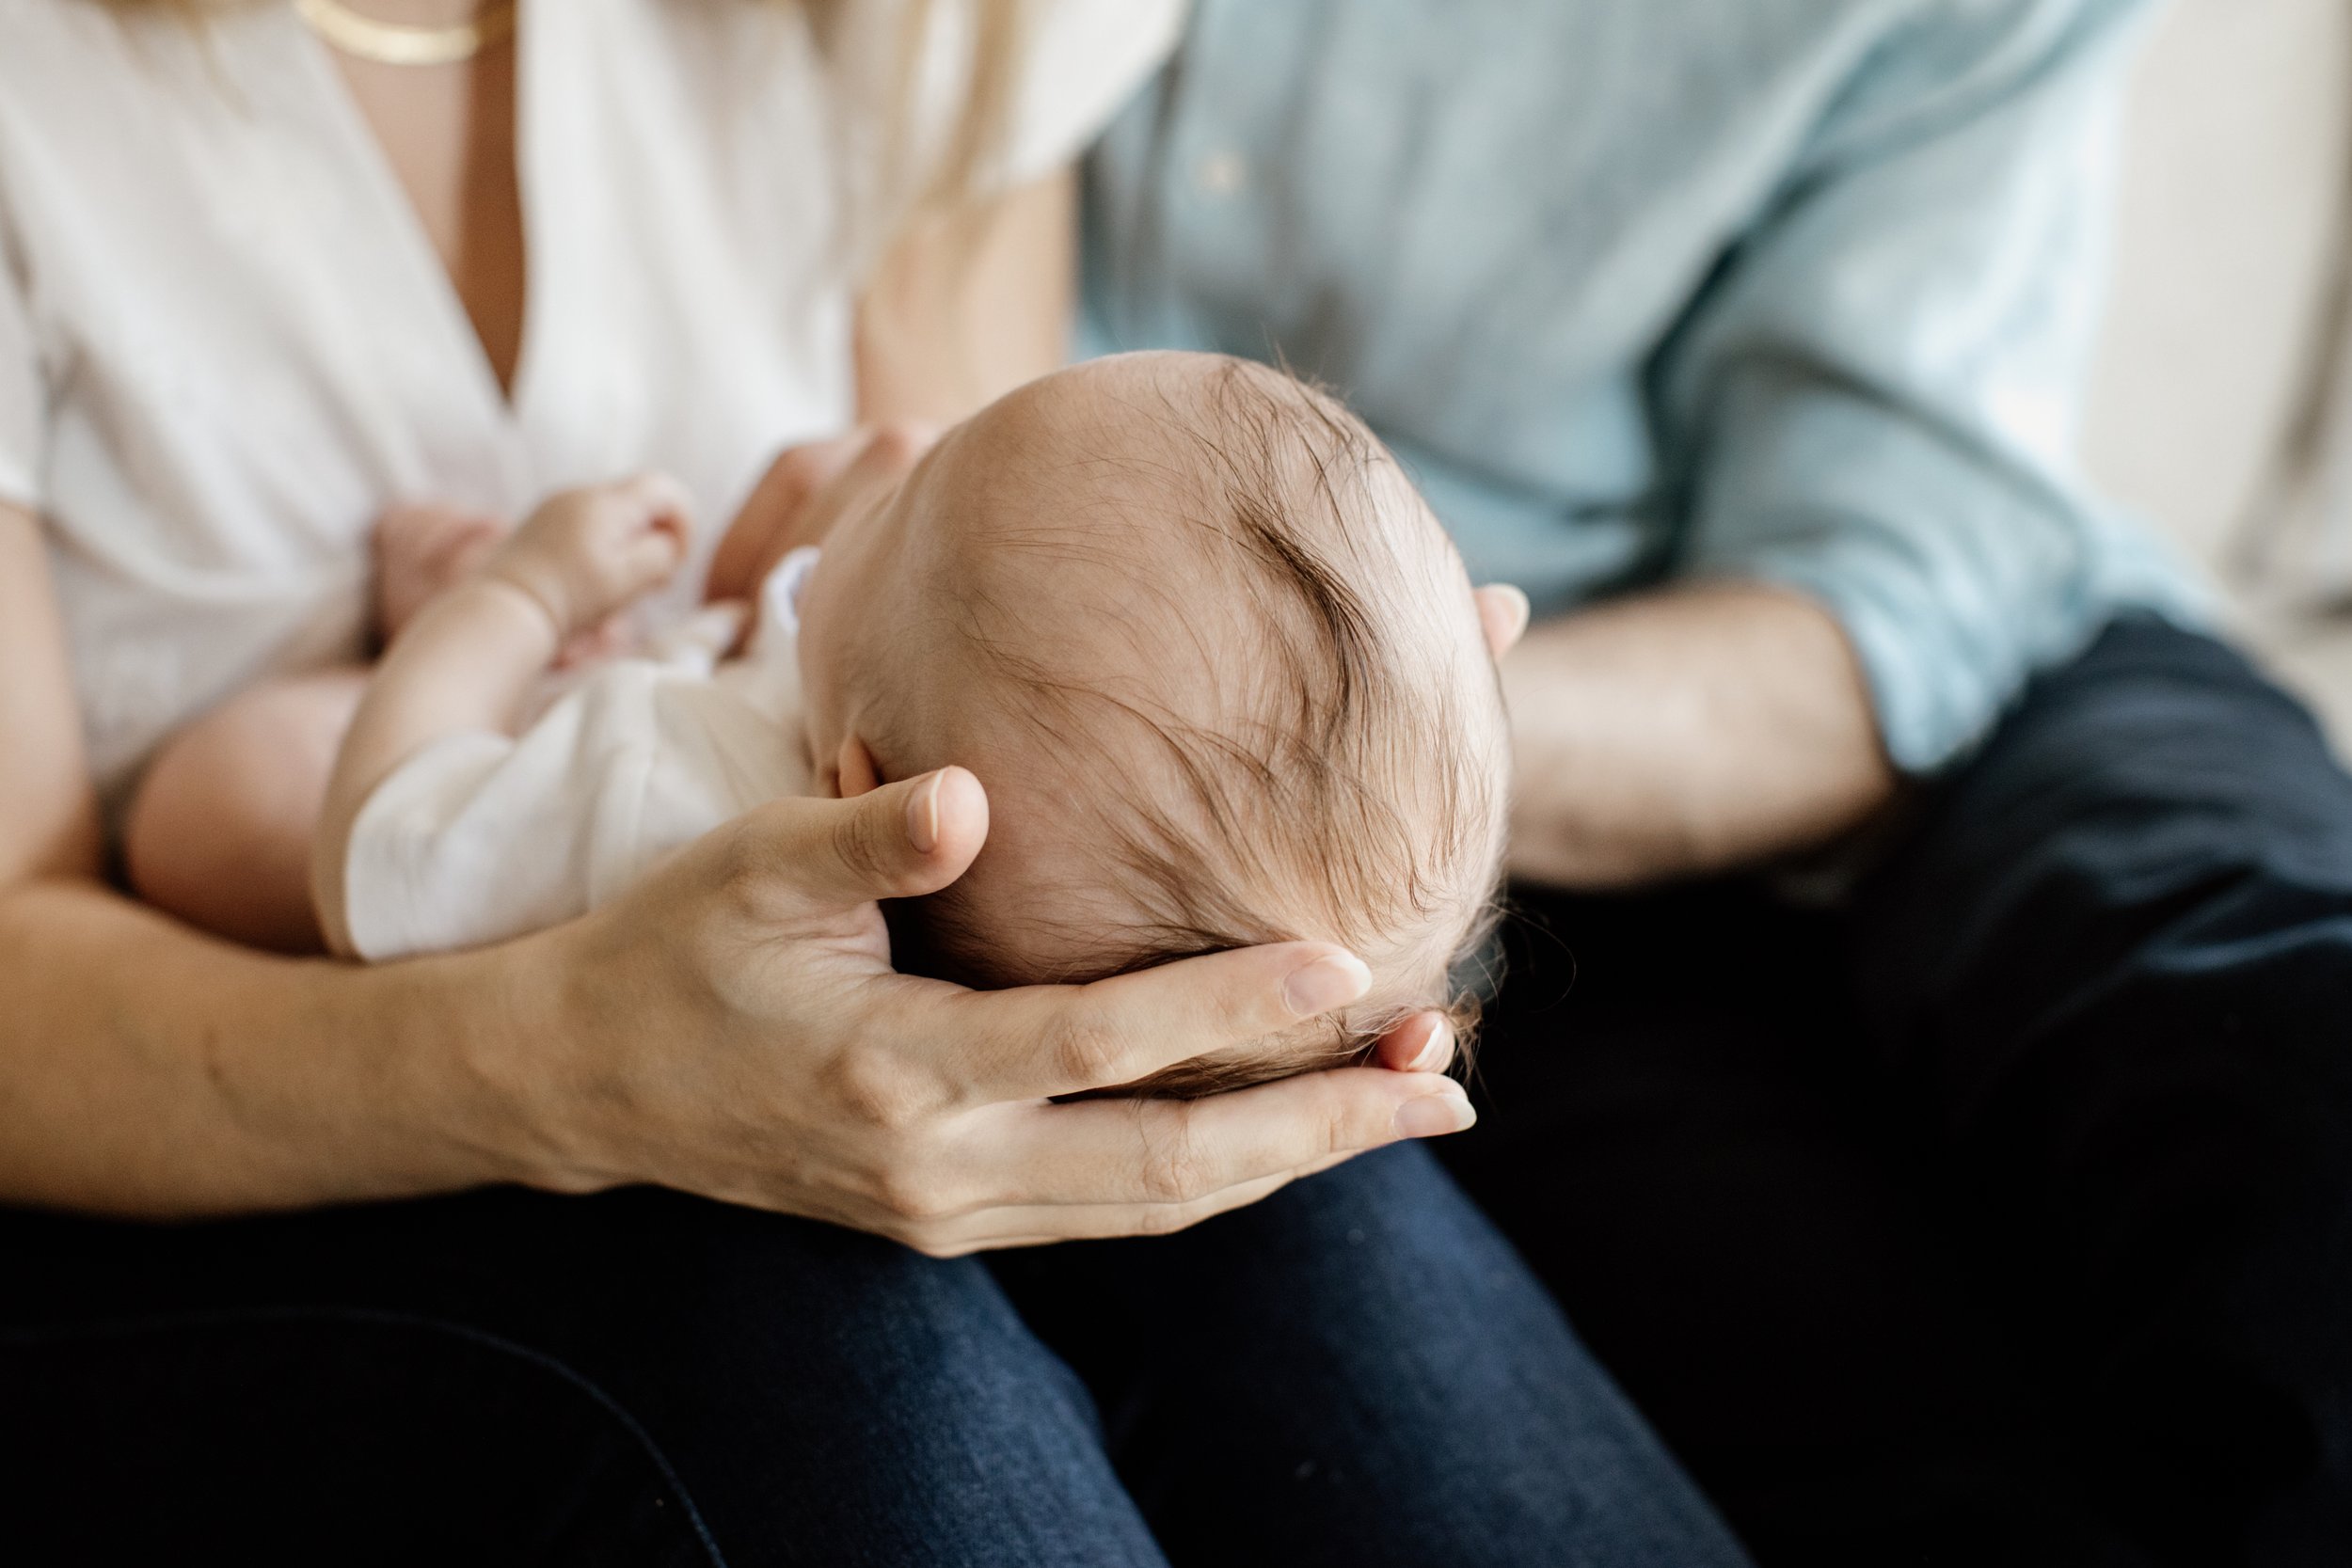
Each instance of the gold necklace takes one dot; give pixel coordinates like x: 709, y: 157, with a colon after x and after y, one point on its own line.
x: 393, y: 43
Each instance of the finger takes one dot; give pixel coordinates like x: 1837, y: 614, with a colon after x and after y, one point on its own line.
x: 1423, y: 1043
x: 1094, y: 1152
x: 966, y: 1246
x: 994, y: 1230
x: 661, y: 499
x: 1044, y: 1040
x: 660, y: 527
x: 651, y: 558
x: 901, y: 841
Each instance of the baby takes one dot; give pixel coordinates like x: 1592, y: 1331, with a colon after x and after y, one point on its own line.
x: 1215, y: 660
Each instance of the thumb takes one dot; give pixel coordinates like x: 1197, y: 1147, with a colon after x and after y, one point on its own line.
x: 898, y: 841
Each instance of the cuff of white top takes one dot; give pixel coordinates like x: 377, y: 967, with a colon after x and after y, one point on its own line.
x: 17, y: 487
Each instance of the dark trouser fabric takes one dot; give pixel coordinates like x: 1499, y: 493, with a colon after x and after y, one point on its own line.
x: 1356, y: 1371
x: 2005, y: 1215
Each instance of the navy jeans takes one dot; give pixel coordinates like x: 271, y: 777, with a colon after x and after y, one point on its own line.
x: 2005, y: 1216
x: 1358, y: 1372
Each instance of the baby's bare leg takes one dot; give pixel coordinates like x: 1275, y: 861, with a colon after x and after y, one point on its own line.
x: 219, y: 833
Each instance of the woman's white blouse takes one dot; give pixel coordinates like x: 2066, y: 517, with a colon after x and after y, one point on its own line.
x: 227, y: 344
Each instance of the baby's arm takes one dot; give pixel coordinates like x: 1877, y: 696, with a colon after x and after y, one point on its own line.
x: 472, y: 657
x: 220, y: 829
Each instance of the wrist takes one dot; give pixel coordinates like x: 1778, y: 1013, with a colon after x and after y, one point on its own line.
x: 530, y: 1068
x: 486, y: 1071
x: 522, y: 598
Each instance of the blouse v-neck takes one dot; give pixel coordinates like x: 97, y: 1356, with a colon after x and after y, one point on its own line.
x: 401, y: 226
x: 228, y: 343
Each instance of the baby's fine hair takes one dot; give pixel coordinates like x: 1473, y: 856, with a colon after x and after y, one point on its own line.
x: 1298, y: 733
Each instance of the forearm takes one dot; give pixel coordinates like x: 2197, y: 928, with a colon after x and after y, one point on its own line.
x: 147, y: 1071
x: 1687, y: 731
x: 468, y: 663
x: 969, y: 308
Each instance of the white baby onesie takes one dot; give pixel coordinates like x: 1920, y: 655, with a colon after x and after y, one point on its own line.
x: 479, y: 837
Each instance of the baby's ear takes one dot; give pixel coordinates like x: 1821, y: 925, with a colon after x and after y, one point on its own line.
x: 853, y: 769
x: 1503, y: 613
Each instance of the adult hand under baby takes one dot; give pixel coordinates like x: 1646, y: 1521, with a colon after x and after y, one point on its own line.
x: 733, y: 1027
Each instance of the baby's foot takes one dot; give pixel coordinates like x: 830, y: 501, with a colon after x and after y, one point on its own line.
x: 422, y: 551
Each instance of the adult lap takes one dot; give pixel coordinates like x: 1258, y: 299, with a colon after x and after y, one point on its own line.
x: 1356, y: 1372
x: 280, y: 1434
x: 2116, y: 969
x: 1372, y: 1300
x: 790, y: 1392
x: 2004, y: 1213
x: 1676, y: 1133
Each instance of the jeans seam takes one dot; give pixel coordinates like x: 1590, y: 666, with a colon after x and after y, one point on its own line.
x: 564, y: 1371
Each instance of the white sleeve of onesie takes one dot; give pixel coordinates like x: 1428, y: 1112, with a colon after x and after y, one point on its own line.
x: 479, y: 837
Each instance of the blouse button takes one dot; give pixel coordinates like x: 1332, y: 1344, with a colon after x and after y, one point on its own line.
x: 1221, y: 173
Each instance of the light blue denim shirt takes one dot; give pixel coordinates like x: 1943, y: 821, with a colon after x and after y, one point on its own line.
x: 1791, y: 290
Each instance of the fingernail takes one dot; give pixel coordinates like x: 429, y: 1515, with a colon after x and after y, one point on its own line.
x: 1435, y: 1051
x: 923, y: 815
x: 1432, y: 1115
x: 1325, y: 984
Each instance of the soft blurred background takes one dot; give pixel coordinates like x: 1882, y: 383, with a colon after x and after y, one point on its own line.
x: 2215, y: 414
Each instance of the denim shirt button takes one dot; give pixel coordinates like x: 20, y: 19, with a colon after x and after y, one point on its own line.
x: 1223, y: 172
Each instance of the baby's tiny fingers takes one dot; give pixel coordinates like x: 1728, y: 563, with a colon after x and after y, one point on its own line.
x: 662, y: 502
x: 651, y: 558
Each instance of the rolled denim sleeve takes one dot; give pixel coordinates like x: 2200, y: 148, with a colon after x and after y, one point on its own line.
x: 1875, y: 400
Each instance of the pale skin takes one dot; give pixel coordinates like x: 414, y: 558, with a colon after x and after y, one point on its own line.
x: 469, y: 658
x: 732, y: 1027
x: 867, y: 657
x: 1691, y: 730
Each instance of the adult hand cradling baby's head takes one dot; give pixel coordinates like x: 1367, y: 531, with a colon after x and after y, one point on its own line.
x: 917, y: 1109
x: 1218, y: 662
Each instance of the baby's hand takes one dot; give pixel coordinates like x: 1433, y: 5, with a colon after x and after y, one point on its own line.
x: 422, y: 551
x: 806, y: 490
x: 588, y: 553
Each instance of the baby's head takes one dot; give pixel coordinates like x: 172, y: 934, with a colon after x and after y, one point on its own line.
x: 1218, y: 666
